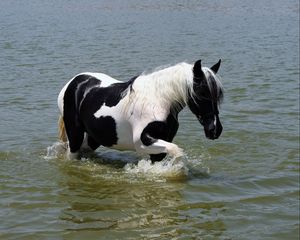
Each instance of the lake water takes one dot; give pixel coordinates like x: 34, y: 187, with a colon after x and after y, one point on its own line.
x: 244, y: 185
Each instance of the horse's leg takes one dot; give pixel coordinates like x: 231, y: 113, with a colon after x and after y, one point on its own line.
x: 158, y: 147
x: 172, y: 127
x: 75, y: 134
x: 89, y: 144
x: 155, y: 139
x: 92, y: 143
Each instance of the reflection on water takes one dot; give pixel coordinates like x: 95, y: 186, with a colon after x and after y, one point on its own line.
x: 95, y: 193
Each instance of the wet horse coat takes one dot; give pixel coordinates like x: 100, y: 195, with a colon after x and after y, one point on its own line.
x: 140, y: 114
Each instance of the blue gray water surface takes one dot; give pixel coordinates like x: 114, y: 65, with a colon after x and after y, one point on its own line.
x: 244, y: 185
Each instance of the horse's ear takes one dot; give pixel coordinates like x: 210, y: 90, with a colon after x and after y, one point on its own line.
x: 198, y: 73
x: 215, y: 67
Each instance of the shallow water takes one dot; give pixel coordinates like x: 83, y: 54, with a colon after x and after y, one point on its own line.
x: 244, y: 185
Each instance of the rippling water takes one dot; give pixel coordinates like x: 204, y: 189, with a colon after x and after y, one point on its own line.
x: 243, y: 186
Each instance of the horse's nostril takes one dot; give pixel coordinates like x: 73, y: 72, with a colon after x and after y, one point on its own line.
x: 212, y: 129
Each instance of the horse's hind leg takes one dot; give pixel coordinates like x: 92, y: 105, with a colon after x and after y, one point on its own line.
x: 75, y: 133
x: 89, y: 144
x: 92, y: 143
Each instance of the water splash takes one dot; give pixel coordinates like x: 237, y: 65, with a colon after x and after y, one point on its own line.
x: 168, y: 169
x: 56, y: 150
x: 175, y: 168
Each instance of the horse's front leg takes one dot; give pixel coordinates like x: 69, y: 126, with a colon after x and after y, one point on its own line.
x: 157, y: 146
x: 155, y: 139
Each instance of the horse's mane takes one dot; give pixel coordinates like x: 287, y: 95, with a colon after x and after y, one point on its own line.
x: 172, y: 85
x: 214, y: 85
x: 166, y: 86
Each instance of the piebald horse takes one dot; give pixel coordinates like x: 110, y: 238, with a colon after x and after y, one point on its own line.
x: 140, y: 114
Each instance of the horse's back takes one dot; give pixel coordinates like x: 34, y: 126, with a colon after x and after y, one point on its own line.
x: 85, y: 80
x: 103, y: 78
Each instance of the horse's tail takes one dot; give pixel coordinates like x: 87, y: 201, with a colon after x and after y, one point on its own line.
x: 61, y: 130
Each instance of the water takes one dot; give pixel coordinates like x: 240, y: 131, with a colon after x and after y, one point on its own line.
x: 243, y: 186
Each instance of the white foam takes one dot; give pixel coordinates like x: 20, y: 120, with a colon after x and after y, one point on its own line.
x: 56, y: 150
x: 176, y: 168
x: 168, y: 168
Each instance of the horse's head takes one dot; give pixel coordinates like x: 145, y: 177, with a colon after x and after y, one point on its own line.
x: 205, y: 97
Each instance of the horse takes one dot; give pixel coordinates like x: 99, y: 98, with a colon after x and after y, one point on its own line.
x: 140, y: 114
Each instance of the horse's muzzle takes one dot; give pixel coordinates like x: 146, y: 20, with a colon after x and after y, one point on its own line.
x: 214, y: 129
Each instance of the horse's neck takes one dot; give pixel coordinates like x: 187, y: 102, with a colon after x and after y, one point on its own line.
x: 168, y: 86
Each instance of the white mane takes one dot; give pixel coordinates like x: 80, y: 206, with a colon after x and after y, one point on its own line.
x: 172, y: 86
x: 166, y: 86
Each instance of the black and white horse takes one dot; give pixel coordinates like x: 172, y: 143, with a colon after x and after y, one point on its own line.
x: 140, y: 114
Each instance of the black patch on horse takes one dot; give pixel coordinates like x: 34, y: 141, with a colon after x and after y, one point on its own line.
x: 72, y: 97
x: 103, y: 131
x: 83, y: 97
x: 110, y: 96
x: 165, y: 130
